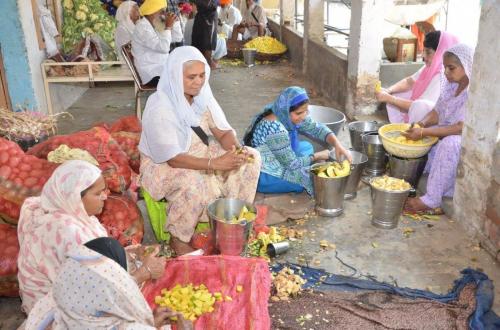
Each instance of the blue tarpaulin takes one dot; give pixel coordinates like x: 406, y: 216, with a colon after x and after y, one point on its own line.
x: 483, y: 318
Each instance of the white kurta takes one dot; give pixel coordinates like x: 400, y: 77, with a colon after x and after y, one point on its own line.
x: 150, y: 49
x: 259, y: 13
x: 229, y: 17
x: 177, y: 34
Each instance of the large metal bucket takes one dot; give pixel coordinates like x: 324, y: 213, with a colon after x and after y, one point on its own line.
x: 387, y: 207
x: 333, y: 119
x: 409, y: 169
x: 249, y: 56
x: 329, y: 194
x: 358, y: 164
x: 377, y: 157
x: 358, y: 128
x: 230, y: 238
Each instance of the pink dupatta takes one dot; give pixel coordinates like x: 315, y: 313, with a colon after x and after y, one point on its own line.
x: 446, y: 40
x: 51, y: 225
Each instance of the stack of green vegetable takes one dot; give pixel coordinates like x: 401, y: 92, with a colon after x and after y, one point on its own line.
x: 83, y: 18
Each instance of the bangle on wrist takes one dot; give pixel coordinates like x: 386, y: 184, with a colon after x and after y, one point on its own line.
x: 209, y: 165
x: 149, y: 271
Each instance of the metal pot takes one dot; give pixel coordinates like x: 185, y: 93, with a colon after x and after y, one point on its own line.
x: 387, y: 207
x: 230, y: 238
x: 329, y: 193
x: 377, y: 157
x: 358, y: 164
x: 358, y: 128
x: 333, y: 119
x: 408, y: 169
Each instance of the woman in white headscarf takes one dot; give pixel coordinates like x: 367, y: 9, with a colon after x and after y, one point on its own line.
x: 189, y: 153
x: 62, y: 217
x: 126, y: 15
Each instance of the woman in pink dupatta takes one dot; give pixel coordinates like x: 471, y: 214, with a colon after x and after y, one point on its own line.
x: 446, y: 122
x: 412, y: 98
x: 60, y: 219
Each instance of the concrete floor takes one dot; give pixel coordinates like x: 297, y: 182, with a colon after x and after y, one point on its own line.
x: 430, y: 258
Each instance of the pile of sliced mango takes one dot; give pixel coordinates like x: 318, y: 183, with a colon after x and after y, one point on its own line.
x: 245, y: 215
x: 389, y: 183
x: 266, y: 45
x: 333, y: 170
x: 191, y: 301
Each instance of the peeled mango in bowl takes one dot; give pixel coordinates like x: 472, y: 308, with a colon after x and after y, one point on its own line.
x: 266, y: 45
x: 389, y: 183
x: 245, y: 215
x: 333, y: 170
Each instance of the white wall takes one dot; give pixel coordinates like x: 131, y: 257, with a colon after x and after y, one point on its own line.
x: 463, y: 20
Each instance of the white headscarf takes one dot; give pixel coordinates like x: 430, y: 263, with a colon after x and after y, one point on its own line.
x: 168, y: 116
x: 123, y: 15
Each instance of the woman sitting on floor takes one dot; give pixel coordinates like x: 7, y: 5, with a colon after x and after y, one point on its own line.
x: 446, y: 122
x: 412, y: 98
x: 285, y: 159
x: 188, y: 149
x: 150, y: 47
x: 60, y: 219
x: 94, y: 291
x: 126, y: 15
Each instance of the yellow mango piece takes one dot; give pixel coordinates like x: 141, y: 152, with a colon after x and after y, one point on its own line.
x: 228, y: 298
x: 239, y: 288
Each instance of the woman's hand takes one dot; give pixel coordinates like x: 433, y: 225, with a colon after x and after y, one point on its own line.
x: 162, y: 316
x: 231, y: 160
x: 341, y: 152
x: 414, y: 133
x: 383, y: 96
x: 321, y: 155
x: 154, y: 265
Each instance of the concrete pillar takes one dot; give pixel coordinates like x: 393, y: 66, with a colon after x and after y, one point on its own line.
x: 365, y: 47
x: 313, y: 25
x: 287, y: 12
x: 477, y: 188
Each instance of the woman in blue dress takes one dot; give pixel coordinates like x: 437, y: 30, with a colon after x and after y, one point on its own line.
x: 285, y: 159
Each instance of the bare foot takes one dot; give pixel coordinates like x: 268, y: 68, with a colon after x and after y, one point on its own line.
x: 415, y: 205
x: 180, y: 247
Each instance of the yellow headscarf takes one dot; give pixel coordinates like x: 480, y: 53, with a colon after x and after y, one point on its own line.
x: 152, y: 6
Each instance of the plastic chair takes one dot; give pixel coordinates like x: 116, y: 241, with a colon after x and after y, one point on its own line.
x: 139, y: 86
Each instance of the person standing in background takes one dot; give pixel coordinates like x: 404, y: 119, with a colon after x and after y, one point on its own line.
x: 204, y: 36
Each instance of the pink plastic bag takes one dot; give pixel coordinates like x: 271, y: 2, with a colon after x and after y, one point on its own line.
x: 247, y: 311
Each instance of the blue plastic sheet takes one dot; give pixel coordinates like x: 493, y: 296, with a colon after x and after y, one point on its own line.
x: 484, y: 318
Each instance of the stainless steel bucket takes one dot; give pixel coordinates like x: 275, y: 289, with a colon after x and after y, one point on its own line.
x: 333, y: 119
x: 329, y: 194
x: 409, y: 169
x: 358, y: 128
x: 249, y: 56
x: 358, y: 164
x: 387, y: 207
x: 230, y: 238
x: 377, y: 157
